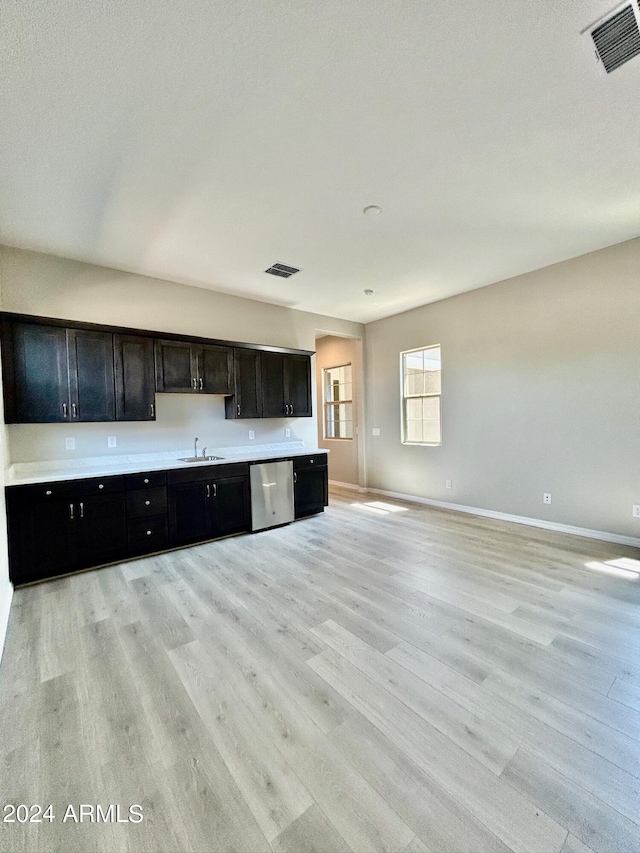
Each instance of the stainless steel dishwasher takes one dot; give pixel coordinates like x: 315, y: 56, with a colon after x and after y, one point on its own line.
x: 271, y: 494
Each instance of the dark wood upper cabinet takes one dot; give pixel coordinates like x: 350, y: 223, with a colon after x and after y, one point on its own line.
x: 91, y: 380
x: 297, y: 385
x: 40, y: 381
x: 286, y: 385
x: 215, y: 369
x: 58, y: 371
x: 62, y: 375
x: 273, y: 392
x: 135, y: 378
x: 176, y: 367
x: 190, y: 368
x: 247, y: 385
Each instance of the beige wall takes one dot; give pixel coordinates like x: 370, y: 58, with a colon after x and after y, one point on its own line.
x: 332, y: 351
x: 541, y: 393
x: 45, y: 285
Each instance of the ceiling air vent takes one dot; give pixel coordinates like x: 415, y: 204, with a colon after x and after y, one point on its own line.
x: 282, y: 270
x: 617, y: 38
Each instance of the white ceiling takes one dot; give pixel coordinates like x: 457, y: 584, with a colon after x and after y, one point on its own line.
x: 203, y: 140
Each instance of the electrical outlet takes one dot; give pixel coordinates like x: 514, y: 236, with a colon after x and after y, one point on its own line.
x: 375, y: 431
x: 111, y: 441
x: 546, y: 498
x: 252, y: 434
x: 287, y: 433
x: 69, y: 444
x: 636, y: 510
x: 447, y: 483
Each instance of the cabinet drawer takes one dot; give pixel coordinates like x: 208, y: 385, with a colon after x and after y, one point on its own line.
x: 150, y: 480
x: 146, y: 502
x: 148, y: 535
x: 318, y: 460
x: 68, y: 489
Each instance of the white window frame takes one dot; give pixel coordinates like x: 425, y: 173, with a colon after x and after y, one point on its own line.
x: 404, y: 397
x: 328, y: 403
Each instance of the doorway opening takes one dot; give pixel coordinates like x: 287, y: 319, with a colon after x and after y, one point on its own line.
x: 340, y: 407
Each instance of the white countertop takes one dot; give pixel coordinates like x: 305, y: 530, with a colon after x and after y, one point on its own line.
x: 23, y: 473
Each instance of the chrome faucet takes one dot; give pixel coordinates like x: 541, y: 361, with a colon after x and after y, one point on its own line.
x: 195, y: 449
x: 204, y: 452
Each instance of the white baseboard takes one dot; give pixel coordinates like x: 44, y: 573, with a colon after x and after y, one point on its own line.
x: 616, y: 538
x: 350, y: 486
x: 5, y: 607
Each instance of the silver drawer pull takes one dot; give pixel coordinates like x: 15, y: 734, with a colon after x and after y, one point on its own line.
x: 48, y: 492
x: 147, y: 503
x: 146, y: 480
x: 148, y: 533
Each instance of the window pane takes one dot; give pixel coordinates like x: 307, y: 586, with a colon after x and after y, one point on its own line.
x: 338, y: 420
x: 414, y: 430
x: 421, y: 389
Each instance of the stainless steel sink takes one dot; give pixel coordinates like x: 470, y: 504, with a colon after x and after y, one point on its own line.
x: 200, y: 458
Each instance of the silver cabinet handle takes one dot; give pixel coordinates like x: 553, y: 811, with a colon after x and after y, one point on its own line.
x: 201, y: 388
x: 71, y: 513
x: 295, y: 477
x: 48, y: 492
x: 146, y: 480
x: 101, y: 486
x: 291, y: 407
x: 208, y: 490
x: 74, y: 410
x: 148, y: 533
x: 194, y: 383
x: 286, y: 409
x: 152, y: 410
x: 65, y: 410
x: 81, y: 510
x: 238, y: 409
x: 147, y: 503
x: 215, y: 490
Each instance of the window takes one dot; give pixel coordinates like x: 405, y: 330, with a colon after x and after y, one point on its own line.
x: 338, y: 402
x: 421, y: 396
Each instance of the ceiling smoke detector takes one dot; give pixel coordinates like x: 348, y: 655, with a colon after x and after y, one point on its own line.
x: 282, y: 270
x: 372, y: 210
x: 616, y: 36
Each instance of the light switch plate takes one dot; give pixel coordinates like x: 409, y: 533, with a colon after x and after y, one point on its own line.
x: 287, y: 433
x: 375, y: 431
x: 252, y: 434
x: 69, y: 444
x: 111, y: 441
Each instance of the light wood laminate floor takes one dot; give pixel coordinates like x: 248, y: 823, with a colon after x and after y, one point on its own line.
x: 383, y: 677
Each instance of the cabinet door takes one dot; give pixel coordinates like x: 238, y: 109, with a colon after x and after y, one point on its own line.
x: 297, y: 385
x: 135, y: 378
x: 41, y: 374
x: 247, y: 399
x: 273, y: 391
x: 176, y: 367
x: 41, y: 539
x: 311, y: 491
x: 230, y: 503
x: 190, y: 513
x: 101, y: 529
x: 91, y: 375
x: 215, y: 370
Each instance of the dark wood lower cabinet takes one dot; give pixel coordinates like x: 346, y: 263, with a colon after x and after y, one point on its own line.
x: 310, y: 484
x: 215, y: 504
x: 62, y: 527
x: 56, y: 528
